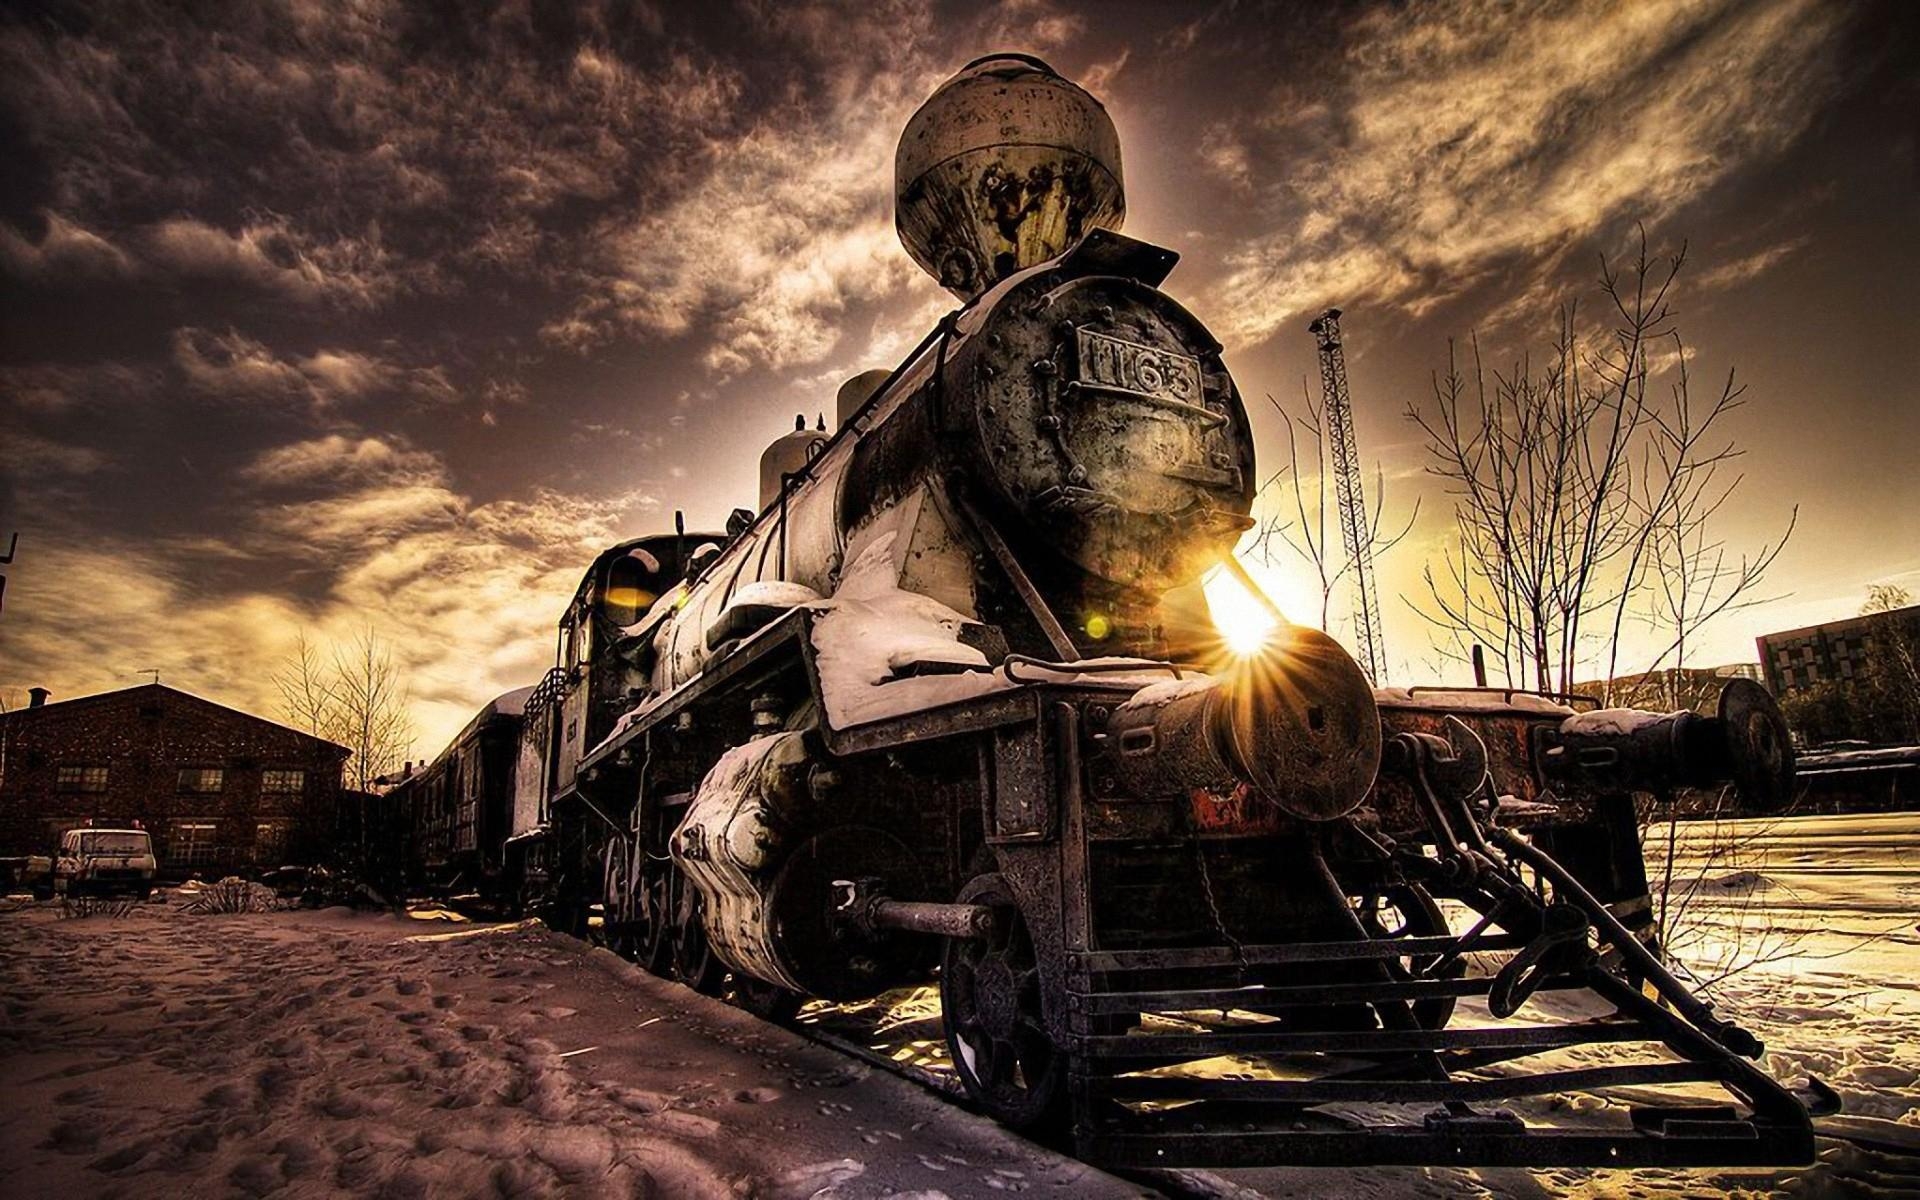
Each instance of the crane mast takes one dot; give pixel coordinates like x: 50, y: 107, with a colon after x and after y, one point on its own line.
x: 1356, y: 534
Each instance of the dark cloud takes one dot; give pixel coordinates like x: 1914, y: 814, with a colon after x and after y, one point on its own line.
x: 1457, y: 139
x: 325, y: 313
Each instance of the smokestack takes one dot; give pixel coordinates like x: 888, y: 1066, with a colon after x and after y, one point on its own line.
x: 37, y: 697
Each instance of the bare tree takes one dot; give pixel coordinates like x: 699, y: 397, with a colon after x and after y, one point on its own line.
x: 1895, y: 673
x: 306, y: 689
x: 1885, y: 597
x: 1694, y: 579
x: 355, y: 697
x: 372, y: 704
x: 1304, y: 531
x: 1582, y: 496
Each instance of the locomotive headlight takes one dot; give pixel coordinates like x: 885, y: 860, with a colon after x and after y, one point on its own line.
x: 1244, y: 617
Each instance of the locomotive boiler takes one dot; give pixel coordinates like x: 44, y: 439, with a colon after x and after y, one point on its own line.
x: 949, y: 705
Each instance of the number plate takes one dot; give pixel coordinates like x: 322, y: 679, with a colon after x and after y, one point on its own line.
x: 1113, y: 364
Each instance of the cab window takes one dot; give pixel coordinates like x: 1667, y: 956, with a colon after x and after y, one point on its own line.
x: 634, y: 581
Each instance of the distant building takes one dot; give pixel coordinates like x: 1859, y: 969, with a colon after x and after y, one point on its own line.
x: 1835, y: 652
x: 1672, y: 688
x: 219, y: 789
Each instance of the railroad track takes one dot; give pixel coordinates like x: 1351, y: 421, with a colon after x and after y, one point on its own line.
x: 842, y: 1028
x: 900, y: 1032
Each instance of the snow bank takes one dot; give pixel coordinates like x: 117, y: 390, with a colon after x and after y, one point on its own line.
x: 871, y: 631
x: 871, y: 636
x: 771, y: 593
x: 1467, y: 700
x: 1610, y: 722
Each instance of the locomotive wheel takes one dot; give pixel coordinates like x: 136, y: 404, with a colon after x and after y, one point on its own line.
x: 654, y: 910
x: 618, y: 907
x: 990, y: 1002
x: 693, y: 961
x: 1409, y: 910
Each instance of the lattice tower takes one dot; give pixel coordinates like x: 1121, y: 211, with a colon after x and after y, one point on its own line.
x: 1356, y: 534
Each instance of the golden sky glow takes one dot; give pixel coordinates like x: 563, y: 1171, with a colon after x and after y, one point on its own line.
x: 332, y: 316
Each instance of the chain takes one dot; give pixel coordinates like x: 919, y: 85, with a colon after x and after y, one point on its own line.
x: 1213, y: 905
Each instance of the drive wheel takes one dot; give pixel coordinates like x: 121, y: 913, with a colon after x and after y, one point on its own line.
x: 1409, y: 910
x: 991, y: 1003
x: 656, y: 915
x: 619, y: 909
x: 693, y: 961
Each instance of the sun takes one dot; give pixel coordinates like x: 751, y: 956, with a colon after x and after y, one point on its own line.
x: 1244, y: 618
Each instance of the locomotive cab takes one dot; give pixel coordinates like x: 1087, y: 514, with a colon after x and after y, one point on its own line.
x: 600, y: 664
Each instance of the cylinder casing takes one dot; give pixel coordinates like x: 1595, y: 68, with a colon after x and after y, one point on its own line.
x: 1296, y: 722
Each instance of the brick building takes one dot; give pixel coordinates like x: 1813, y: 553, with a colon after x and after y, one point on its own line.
x: 219, y: 789
x: 1836, y: 652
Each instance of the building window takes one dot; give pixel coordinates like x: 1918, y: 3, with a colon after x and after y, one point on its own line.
x: 80, y: 779
x: 281, y: 783
x: 202, y: 781
x: 190, y: 843
x: 269, y: 841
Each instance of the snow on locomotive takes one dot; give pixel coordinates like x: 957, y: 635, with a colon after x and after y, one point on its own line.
x: 950, y: 706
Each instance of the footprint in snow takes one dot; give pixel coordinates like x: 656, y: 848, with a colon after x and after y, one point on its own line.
x: 86, y: 1094
x: 73, y: 1137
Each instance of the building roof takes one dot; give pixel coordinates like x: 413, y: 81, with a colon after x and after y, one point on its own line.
x: 1853, y: 621
x: 156, y: 690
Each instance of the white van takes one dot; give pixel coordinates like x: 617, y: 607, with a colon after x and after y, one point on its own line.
x: 103, y: 862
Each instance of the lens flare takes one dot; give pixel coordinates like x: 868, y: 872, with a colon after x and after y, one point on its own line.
x: 1244, y: 618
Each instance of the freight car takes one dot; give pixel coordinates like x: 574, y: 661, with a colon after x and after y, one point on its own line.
x: 979, y: 694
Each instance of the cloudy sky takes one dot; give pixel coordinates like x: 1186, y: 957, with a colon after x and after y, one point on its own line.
x: 321, y: 314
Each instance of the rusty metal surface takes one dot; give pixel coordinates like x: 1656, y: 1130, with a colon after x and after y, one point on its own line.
x: 1295, y: 725
x: 1095, y: 414
x: 1006, y: 165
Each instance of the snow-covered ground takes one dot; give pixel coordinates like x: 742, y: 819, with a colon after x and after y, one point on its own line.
x: 315, y: 1054
x: 302, y: 1054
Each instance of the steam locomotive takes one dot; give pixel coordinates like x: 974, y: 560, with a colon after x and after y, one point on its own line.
x: 952, y: 705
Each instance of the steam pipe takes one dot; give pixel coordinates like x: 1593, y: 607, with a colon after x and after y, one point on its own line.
x: 971, y: 922
x: 860, y: 902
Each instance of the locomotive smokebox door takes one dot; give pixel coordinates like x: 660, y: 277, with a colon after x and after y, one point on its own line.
x: 1099, y: 416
